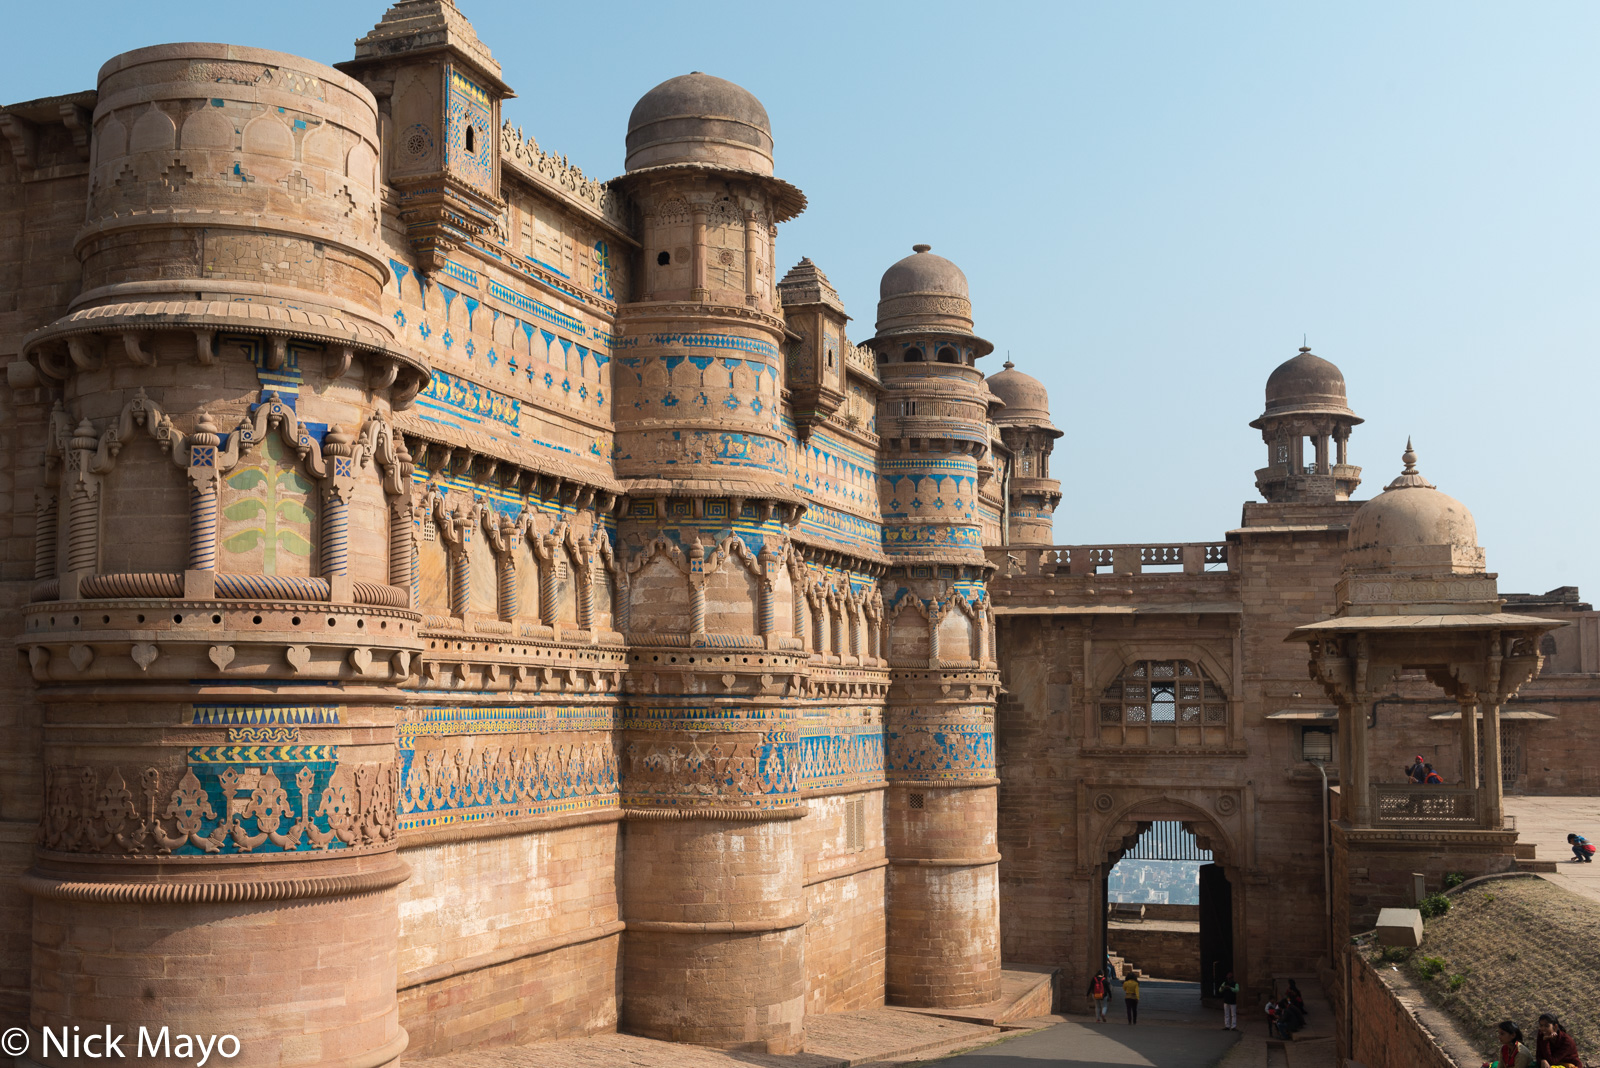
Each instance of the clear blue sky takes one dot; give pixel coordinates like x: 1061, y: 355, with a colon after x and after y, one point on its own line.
x: 1153, y: 202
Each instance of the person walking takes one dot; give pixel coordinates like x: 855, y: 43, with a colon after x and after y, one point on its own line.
x: 1582, y: 851
x: 1513, y: 1052
x: 1415, y: 772
x: 1554, y: 1047
x: 1228, y: 990
x: 1100, y: 991
x: 1130, y: 995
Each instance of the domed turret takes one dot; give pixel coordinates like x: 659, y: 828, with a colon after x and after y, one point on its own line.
x: 1027, y: 403
x: 1306, y: 426
x: 925, y: 292
x: 698, y: 118
x: 1025, y: 427
x: 1306, y: 384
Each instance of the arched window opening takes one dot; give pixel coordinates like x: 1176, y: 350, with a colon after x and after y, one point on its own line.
x: 664, y: 258
x: 948, y: 355
x: 472, y: 141
x: 914, y: 355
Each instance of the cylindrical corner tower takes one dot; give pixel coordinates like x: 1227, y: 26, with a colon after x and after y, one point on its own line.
x: 713, y: 893
x: 1306, y: 426
x: 944, y: 924
x: 1025, y: 427
x: 215, y: 665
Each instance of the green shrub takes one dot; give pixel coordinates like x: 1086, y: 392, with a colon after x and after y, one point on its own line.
x: 1453, y: 880
x: 1396, y: 953
x: 1431, y: 967
x: 1433, y: 906
x: 1457, y: 981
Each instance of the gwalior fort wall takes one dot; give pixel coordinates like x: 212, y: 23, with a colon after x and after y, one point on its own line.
x: 461, y: 602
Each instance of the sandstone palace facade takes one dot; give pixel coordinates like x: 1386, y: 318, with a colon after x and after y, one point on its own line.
x: 457, y: 601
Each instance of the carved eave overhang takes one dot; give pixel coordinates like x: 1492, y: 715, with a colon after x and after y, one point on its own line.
x: 670, y: 310
x: 960, y: 558
x: 1419, y: 624
x: 83, y: 340
x: 784, y: 500
x: 787, y: 200
x: 436, y: 445
x: 894, y: 335
x: 831, y: 554
x: 603, y: 203
x: 23, y: 126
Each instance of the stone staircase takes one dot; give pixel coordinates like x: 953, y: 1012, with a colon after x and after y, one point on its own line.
x: 1527, y: 858
x: 1123, y: 968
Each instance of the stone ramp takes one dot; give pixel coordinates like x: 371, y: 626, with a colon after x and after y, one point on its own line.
x: 1027, y: 992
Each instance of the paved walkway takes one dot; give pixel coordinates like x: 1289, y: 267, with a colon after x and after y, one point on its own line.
x: 1174, y: 1031
x: 1546, y: 822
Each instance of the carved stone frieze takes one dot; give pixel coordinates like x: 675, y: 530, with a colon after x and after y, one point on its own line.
x: 235, y: 799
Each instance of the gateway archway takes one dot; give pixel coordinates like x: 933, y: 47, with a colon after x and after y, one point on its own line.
x: 1173, y: 829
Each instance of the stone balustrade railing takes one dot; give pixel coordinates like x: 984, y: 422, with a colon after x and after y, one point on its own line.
x: 1190, y: 558
x: 1424, y: 806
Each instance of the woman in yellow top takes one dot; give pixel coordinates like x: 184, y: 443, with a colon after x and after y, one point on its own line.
x: 1130, y: 995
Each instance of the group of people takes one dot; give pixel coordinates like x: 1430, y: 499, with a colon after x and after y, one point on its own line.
x: 1100, y: 992
x: 1286, y: 1014
x: 1553, y: 1047
x: 1422, y: 773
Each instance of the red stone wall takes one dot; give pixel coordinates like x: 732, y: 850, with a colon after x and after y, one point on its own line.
x: 41, y: 211
x: 1386, y: 1034
x: 845, y: 891
x: 1161, y: 954
x: 510, y: 939
x: 944, y: 899
x: 298, y: 982
x: 716, y: 932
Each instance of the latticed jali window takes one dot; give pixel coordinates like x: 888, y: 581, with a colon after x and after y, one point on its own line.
x: 1163, y: 702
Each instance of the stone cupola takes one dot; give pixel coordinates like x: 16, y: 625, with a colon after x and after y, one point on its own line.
x: 1306, y: 426
x: 1413, y: 549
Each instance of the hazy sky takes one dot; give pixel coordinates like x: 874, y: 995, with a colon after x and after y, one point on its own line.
x: 1153, y: 202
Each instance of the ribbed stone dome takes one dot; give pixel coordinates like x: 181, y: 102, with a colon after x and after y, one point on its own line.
x: 923, y: 273
x: 1409, y: 514
x: 698, y: 118
x: 1306, y: 383
x: 1026, y: 400
x: 925, y: 293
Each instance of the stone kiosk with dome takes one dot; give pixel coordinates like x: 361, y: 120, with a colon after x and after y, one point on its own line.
x: 1414, y: 595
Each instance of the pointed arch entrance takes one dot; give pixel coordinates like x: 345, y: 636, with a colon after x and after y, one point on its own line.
x: 1167, y: 822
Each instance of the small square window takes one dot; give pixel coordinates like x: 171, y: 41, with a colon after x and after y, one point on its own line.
x: 1316, y: 745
